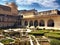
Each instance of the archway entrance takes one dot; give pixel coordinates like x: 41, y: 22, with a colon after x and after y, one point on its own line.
x: 50, y: 23
x: 41, y: 23
x: 30, y: 23
x: 35, y: 23
x: 26, y: 23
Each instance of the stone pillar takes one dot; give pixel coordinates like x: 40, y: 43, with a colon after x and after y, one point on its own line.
x: 28, y: 23
x: 22, y: 22
x: 45, y: 24
x: 38, y: 24
x: 33, y: 22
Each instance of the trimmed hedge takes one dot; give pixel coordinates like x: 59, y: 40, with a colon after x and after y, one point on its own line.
x: 37, y: 33
x: 47, y: 33
x: 55, y: 32
x: 55, y: 42
x: 52, y: 35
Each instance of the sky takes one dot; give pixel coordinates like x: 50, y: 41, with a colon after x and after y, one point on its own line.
x: 40, y: 5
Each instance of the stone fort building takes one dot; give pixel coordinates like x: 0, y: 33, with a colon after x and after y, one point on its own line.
x: 41, y: 20
x: 10, y: 16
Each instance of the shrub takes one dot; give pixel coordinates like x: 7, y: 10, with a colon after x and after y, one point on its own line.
x: 52, y: 35
x: 37, y: 33
x: 6, y: 41
x: 55, y: 42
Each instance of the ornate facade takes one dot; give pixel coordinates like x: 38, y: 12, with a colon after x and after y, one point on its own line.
x: 42, y: 20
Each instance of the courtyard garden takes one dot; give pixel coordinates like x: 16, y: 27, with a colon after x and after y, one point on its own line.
x: 52, y: 35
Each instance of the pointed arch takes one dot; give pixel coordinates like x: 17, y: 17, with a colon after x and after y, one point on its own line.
x: 30, y: 23
x: 26, y: 23
x: 50, y: 23
x: 35, y: 23
x: 41, y: 23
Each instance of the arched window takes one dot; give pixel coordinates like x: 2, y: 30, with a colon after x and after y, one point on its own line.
x: 41, y: 23
x: 50, y: 23
x: 35, y: 23
x: 30, y: 23
x: 26, y: 23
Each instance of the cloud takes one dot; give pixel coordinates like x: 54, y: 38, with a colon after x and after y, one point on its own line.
x: 45, y: 3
